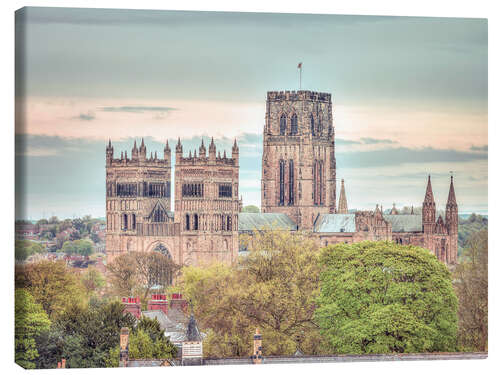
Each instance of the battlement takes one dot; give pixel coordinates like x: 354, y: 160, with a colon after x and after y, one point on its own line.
x: 200, y: 157
x: 200, y: 160
x: 139, y: 157
x: 151, y: 162
x: 299, y: 95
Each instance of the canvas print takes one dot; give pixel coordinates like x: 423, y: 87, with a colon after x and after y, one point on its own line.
x: 209, y: 188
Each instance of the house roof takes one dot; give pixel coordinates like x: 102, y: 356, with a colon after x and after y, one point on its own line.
x: 174, y: 323
x: 248, y: 222
x: 405, y: 223
x: 335, y: 223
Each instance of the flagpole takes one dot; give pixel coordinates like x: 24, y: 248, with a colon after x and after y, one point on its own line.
x: 300, y: 78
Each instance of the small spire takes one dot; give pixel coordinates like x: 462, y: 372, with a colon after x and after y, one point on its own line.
x: 224, y: 154
x: 109, y: 144
x: 342, y: 199
x: 429, y: 196
x: 178, y: 147
x: 122, y: 155
x: 156, y: 157
x: 451, y: 194
x: 411, y: 213
x: 125, y: 154
x: 135, y: 144
x: 218, y: 154
x: 190, y: 154
x: 235, y: 146
x: 167, y: 147
x: 195, y: 153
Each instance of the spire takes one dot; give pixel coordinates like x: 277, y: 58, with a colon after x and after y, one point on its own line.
x: 342, y: 199
x: 142, y: 143
x: 156, y: 156
x: 135, y: 145
x: 429, y: 197
x: 211, y: 148
x: 394, y: 211
x: 235, y: 146
x: 451, y: 195
x: 411, y: 213
x: 203, y: 150
x: 224, y: 154
x: 178, y: 148
x: 167, y: 147
x: 109, y: 144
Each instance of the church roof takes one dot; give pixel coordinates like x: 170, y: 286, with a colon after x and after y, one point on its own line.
x: 336, y: 223
x: 248, y: 222
x: 405, y: 223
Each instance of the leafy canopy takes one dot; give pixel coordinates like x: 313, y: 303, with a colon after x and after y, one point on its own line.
x: 379, y: 297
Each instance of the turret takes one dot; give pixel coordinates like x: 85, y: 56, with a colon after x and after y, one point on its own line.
x: 451, y: 211
x: 342, y: 199
x: 235, y: 152
x: 142, y: 151
x: 135, y: 151
x: 109, y: 153
x: 394, y: 211
x: 166, y: 152
x: 211, y: 150
x: 178, y: 150
x: 428, y: 209
x: 203, y: 151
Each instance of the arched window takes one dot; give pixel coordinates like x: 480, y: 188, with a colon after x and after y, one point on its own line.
x: 319, y: 126
x: 282, y: 124
x: 133, y: 221
x: 124, y: 222
x: 187, y: 222
x: 312, y: 124
x: 294, y: 126
x: 195, y: 222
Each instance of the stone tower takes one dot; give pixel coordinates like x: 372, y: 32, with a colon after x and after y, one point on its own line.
x: 207, y: 204
x: 451, y: 222
x: 428, y: 210
x: 298, y: 161
x: 342, y: 200
x: 134, y: 186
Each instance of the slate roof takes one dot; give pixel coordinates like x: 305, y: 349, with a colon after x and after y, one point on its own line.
x: 335, y: 223
x: 248, y: 222
x: 405, y: 223
x: 174, y: 323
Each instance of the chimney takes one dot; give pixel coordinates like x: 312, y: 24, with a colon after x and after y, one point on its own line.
x: 63, y: 363
x: 257, y: 348
x: 178, y: 302
x: 124, y: 347
x: 158, y: 302
x: 132, y: 305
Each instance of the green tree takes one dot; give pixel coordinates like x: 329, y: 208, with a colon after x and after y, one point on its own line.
x: 379, y: 297
x: 30, y: 321
x: 274, y: 288
x: 92, y: 280
x: 52, y: 285
x: 25, y: 248
x: 471, y: 285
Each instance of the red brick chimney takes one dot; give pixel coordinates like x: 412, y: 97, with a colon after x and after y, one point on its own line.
x: 178, y: 302
x: 63, y: 363
x: 132, y: 305
x: 158, y: 302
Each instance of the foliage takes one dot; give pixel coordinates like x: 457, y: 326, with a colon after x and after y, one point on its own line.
x: 140, y: 271
x: 80, y: 247
x: 92, y: 280
x: 467, y: 227
x: 251, y: 209
x: 379, y: 297
x: 52, y: 285
x: 471, y: 285
x: 84, y: 335
x: 272, y: 288
x: 25, y: 248
x: 30, y: 321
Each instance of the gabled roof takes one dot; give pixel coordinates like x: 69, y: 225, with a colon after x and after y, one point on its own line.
x: 174, y: 323
x: 335, y: 223
x: 248, y: 222
x: 405, y: 223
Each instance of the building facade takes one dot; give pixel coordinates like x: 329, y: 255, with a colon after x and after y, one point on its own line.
x: 298, y: 193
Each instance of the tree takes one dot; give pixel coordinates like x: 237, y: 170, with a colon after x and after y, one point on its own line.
x: 92, y: 280
x: 251, y: 209
x: 379, y: 297
x: 273, y: 288
x: 140, y: 272
x: 24, y: 249
x: 80, y: 247
x: 471, y: 285
x: 52, y: 285
x: 30, y: 322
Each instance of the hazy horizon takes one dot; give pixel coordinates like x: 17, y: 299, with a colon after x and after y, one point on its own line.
x: 410, y: 98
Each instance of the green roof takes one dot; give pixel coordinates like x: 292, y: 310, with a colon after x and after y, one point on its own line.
x: 336, y: 223
x: 405, y: 223
x: 248, y: 222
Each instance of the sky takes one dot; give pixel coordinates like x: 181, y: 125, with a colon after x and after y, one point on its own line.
x: 410, y: 98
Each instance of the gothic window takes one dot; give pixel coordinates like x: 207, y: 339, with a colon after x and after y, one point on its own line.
x: 225, y: 190
x: 195, y: 222
x: 162, y: 250
x: 126, y: 190
x: 319, y: 126
x: 192, y: 190
x: 124, y: 222
x: 282, y: 124
x: 315, y: 178
x: 312, y: 125
x: 228, y: 226
x: 320, y: 183
x: 290, y: 183
x: 167, y: 188
x: 282, y: 183
x: 132, y: 224
x: 187, y: 222
x: 294, y: 126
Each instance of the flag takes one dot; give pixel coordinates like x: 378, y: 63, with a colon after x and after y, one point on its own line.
x: 299, y: 66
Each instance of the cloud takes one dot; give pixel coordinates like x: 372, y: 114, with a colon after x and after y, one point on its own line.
x: 137, y: 109
x: 89, y: 116
x: 372, y: 141
x: 341, y: 141
x: 479, y: 148
x: 404, y: 155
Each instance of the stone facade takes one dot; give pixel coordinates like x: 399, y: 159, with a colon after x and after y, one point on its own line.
x: 298, y: 192
x: 298, y: 161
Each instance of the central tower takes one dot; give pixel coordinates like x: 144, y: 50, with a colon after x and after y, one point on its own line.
x: 298, y: 160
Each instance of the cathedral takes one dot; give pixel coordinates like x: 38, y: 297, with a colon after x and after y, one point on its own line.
x: 298, y: 192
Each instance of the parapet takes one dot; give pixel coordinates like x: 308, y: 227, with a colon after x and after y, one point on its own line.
x: 299, y: 95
